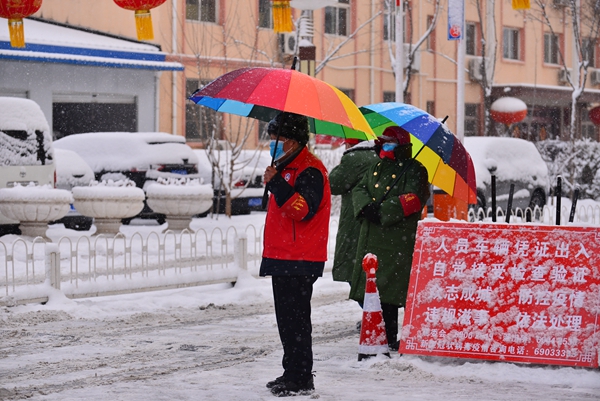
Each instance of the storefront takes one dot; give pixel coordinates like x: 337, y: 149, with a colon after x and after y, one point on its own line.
x: 84, y: 81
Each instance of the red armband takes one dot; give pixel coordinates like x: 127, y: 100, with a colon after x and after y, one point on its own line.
x: 410, y: 203
x: 296, y: 207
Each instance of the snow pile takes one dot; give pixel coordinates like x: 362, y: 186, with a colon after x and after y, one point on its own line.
x: 508, y: 105
x: 178, y: 187
x: 35, y: 193
x: 124, y: 189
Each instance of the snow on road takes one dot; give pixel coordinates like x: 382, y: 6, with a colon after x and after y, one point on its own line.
x: 220, y: 343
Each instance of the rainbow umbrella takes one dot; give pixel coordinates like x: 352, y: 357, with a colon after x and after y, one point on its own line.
x: 261, y: 93
x: 447, y: 161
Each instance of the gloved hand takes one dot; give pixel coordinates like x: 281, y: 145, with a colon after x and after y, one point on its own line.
x: 371, y: 213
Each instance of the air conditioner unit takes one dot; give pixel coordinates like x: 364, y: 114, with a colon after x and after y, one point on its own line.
x: 416, y: 64
x: 475, y: 73
x: 563, y: 76
x: 288, y: 43
x: 560, y: 3
x: 594, y: 77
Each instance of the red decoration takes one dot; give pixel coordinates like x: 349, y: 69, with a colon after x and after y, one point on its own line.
x: 143, y: 19
x: 594, y: 115
x: 508, y: 110
x: 15, y: 11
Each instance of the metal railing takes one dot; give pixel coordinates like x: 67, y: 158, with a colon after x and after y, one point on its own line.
x: 102, y: 265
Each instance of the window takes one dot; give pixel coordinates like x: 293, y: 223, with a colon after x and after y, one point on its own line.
x: 511, y: 48
x: 200, y: 121
x: 263, y: 134
x: 389, y: 22
x: 471, y: 119
x: 431, y: 37
x: 336, y: 18
x: 201, y: 10
x: 471, y: 39
x: 430, y: 107
x: 588, y: 47
x: 389, y: 96
x: 348, y: 92
x: 265, y: 16
x: 550, y: 48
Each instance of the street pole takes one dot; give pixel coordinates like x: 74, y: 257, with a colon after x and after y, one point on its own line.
x: 460, y: 84
x: 399, y: 51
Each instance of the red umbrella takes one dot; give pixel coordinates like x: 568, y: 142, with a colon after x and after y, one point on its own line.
x: 261, y: 93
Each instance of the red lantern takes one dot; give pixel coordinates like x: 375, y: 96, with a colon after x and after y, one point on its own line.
x: 594, y: 115
x: 508, y: 110
x: 143, y: 19
x: 15, y: 11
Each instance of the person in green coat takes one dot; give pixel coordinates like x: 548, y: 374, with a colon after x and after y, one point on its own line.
x: 388, y: 227
x: 357, y: 158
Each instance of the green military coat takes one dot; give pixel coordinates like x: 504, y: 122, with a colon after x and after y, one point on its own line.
x: 342, y: 179
x: 393, y: 240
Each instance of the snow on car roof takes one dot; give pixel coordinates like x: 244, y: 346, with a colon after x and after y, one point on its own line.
x: 513, y: 158
x: 21, y: 115
x: 120, y: 151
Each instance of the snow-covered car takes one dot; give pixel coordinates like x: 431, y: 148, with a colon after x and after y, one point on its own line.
x: 248, y: 186
x: 512, y: 161
x: 73, y: 171
x: 141, y: 157
x: 26, y: 152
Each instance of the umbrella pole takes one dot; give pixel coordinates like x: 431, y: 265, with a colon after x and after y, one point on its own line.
x: 265, y: 198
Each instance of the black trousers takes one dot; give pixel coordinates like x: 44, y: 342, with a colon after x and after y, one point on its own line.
x: 291, y: 295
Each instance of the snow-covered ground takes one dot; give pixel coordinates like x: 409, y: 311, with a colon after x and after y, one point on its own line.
x: 220, y: 342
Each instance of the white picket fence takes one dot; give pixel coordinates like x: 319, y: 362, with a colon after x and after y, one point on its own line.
x: 101, y: 265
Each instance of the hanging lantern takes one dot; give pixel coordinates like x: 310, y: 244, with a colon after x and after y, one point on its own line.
x: 594, y: 115
x: 143, y: 19
x: 520, y: 4
x: 15, y: 11
x: 282, y: 16
x: 508, y: 110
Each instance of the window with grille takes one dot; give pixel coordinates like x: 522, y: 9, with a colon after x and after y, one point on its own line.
x: 200, y: 122
x: 201, y: 10
x: 471, y: 39
x: 265, y: 16
x: 348, y: 92
x: 551, y: 48
x: 430, y: 107
x: 389, y: 96
x: 588, y: 48
x: 337, y: 18
x: 511, y: 46
x: 471, y: 119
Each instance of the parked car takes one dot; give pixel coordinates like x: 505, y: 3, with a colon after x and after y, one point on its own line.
x: 141, y: 157
x: 26, y: 152
x: 512, y: 161
x: 248, y: 186
x: 73, y: 171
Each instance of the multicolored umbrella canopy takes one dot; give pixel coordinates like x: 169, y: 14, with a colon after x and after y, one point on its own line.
x: 447, y: 161
x: 261, y: 93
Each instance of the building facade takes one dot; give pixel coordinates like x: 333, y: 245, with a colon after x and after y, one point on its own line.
x: 354, y: 43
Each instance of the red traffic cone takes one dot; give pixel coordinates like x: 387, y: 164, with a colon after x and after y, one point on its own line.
x: 373, y: 340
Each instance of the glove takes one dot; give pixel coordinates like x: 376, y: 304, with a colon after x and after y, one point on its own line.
x: 371, y: 213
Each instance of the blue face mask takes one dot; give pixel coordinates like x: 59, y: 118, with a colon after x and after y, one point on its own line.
x: 276, y: 153
x: 388, y: 147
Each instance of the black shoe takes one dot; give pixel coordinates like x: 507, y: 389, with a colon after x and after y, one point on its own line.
x: 394, y: 346
x: 275, y: 382
x: 289, y: 388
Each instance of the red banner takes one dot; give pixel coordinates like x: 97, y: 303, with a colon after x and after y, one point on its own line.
x: 520, y: 293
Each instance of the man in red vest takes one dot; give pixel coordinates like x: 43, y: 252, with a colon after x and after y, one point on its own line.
x: 295, y: 245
